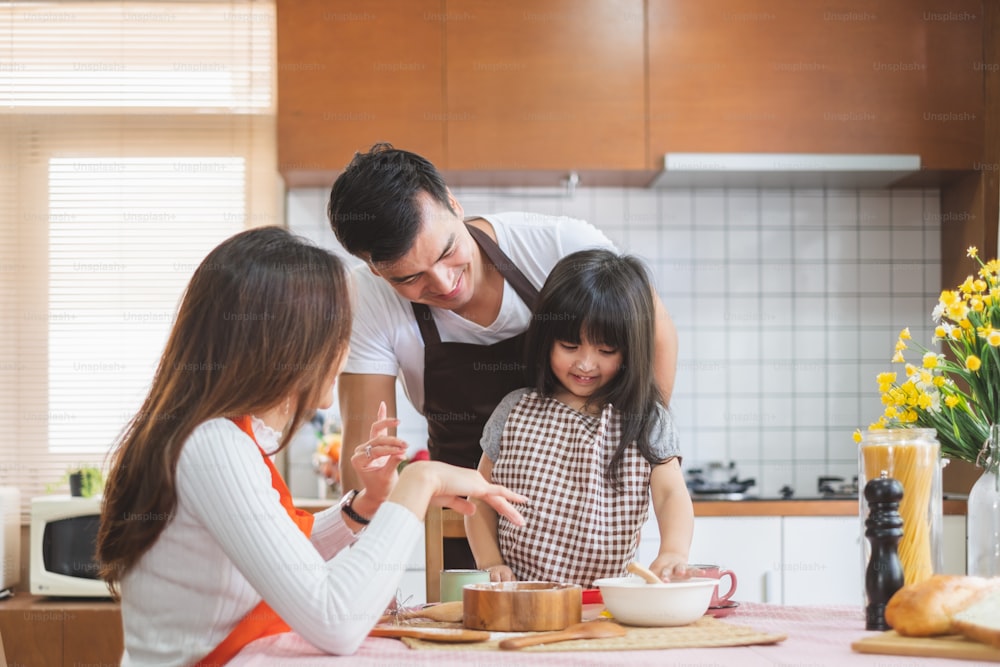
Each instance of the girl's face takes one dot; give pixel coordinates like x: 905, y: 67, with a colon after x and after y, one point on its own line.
x: 583, y: 369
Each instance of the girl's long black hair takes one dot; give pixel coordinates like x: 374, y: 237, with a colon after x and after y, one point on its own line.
x: 608, y: 298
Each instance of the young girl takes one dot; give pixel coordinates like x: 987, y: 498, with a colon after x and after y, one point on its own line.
x: 589, y: 441
x: 198, y: 531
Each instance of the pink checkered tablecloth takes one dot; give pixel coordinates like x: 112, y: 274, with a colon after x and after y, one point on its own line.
x: 816, y: 636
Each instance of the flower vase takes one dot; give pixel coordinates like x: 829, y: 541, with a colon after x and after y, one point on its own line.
x: 983, y: 516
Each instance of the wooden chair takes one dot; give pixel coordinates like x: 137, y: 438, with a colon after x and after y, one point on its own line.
x: 439, y: 524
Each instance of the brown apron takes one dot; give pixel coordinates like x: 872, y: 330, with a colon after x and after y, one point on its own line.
x: 464, y: 382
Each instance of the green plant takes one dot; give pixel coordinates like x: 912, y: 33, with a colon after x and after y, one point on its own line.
x: 89, y: 478
x: 959, y: 396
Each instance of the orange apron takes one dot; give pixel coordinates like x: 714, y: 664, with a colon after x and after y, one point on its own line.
x: 262, y: 621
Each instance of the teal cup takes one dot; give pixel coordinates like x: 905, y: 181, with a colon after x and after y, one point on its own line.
x: 452, y: 582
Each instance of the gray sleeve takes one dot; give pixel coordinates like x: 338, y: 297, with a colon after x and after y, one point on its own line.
x: 664, y: 440
x: 490, y: 441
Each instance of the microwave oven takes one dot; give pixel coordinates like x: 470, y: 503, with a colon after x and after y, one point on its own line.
x: 62, y: 559
x: 10, y: 537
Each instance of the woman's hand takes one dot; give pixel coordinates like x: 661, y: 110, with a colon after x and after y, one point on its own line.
x: 433, y: 482
x: 375, y: 462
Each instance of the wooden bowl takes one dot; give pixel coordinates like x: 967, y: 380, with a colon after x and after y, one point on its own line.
x: 521, y: 606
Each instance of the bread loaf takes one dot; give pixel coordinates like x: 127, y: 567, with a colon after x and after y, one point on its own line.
x: 927, y: 608
x: 981, y: 620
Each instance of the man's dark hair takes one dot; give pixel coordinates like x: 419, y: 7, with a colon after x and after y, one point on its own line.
x: 373, y: 209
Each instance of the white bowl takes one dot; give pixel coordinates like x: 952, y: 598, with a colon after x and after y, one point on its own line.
x: 634, y: 602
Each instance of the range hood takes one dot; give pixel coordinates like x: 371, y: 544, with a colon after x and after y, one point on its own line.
x: 783, y: 170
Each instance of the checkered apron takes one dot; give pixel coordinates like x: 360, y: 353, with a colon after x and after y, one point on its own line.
x: 577, y: 527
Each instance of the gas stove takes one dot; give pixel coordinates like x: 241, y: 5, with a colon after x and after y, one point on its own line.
x: 719, y: 482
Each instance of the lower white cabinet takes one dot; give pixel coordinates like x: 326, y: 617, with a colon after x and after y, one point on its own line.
x: 749, y: 546
x: 821, y: 560
x: 795, y: 560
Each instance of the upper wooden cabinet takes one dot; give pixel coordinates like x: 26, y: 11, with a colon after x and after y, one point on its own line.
x: 521, y: 92
x: 901, y: 76
x: 354, y: 73
x: 545, y: 85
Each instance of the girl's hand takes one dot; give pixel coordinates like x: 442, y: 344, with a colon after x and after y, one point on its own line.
x: 501, y: 573
x: 376, y: 460
x: 670, y: 566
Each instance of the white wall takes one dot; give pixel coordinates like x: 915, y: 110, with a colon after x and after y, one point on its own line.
x: 787, y: 303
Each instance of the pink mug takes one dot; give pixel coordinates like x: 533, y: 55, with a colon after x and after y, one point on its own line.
x: 715, y: 572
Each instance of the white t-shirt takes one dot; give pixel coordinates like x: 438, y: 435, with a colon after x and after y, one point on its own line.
x: 385, y: 339
x: 230, y: 542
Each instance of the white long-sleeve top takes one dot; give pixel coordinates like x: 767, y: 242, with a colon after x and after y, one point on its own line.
x: 230, y: 543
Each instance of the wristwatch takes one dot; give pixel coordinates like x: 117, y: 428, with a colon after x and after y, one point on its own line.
x: 346, y: 508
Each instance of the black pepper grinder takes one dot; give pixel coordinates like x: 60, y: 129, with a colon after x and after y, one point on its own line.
x: 883, y: 528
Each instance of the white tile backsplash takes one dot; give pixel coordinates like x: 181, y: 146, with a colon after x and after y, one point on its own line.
x: 787, y: 304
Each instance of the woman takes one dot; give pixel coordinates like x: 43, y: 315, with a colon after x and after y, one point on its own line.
x: 198, y: 532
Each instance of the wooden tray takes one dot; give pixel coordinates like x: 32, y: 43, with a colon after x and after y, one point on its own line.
x: 950, y: 646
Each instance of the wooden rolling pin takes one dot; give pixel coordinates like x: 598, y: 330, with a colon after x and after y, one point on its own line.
x: 448, y: 612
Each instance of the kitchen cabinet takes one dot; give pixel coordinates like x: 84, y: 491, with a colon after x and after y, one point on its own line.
x: 750, y: 546
x: 903, y: 76
x: 52, y: 632
x: 821, y: 560
x: 545, y: 85
x: 351, y: 74
x: 523, y: 92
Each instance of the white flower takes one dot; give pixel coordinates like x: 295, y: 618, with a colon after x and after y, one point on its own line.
x: 937, y: 312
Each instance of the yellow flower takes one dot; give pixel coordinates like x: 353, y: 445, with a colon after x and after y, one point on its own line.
x: 940, y: 332
x: 993, y: 338
x: 905, y: 334
x: 973, y: 363
x: 957, y: 311
x: 898, y: 358
x: 930, y: 360
x: 979, y: 285
x: 857, y: 435
x: 972, y: 251
x: 900, y: 345
x: 951, y: 401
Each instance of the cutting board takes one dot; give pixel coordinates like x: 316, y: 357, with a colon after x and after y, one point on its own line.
x: 951, y: 646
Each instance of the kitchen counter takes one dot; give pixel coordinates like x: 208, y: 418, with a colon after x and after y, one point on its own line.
x: 795, y: 507
x: 746, y: 507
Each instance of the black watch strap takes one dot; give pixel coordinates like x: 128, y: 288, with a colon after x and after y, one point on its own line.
x: 349, y: 511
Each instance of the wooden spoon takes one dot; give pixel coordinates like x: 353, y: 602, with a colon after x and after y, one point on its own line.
x: 585, y: 630
x: 448, y: 612
x: 644, y: 572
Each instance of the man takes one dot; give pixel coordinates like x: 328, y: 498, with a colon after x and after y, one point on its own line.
x: 443, y: 303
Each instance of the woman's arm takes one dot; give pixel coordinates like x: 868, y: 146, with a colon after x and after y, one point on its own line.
x: 674, y: 516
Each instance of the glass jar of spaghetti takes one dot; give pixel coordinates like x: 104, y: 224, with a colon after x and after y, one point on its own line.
x: 913, y: 457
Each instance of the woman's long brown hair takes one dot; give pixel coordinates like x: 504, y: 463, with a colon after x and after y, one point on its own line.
x: 264, y: 318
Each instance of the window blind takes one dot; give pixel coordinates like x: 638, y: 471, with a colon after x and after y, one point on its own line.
x: 112, y: 189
